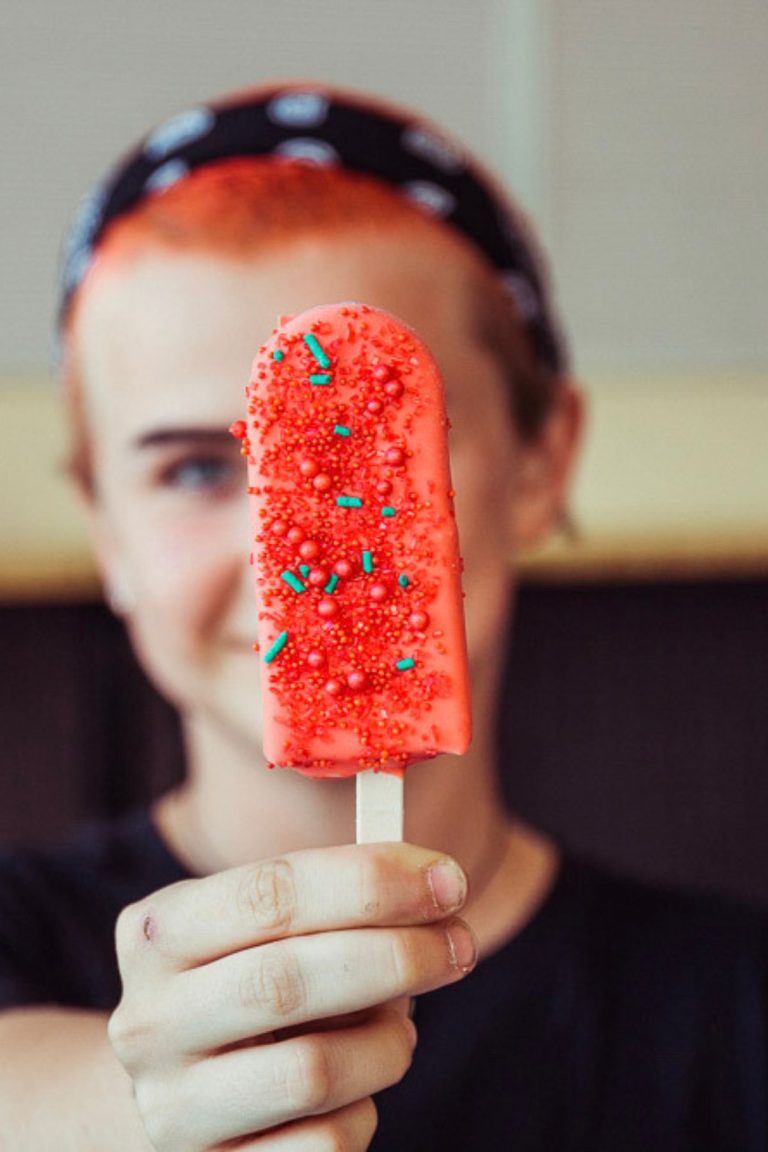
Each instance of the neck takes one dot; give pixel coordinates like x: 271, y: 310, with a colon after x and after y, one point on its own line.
x: 233, y: 810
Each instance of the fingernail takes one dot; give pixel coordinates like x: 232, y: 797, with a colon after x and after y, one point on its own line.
x: 462, y: 945
x: 448, y: 885
x: 411, y: 1033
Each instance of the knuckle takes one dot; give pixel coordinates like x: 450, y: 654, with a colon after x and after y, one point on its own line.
x: 266, y: 895
x: 308, y: 1078
x: 129, y: 1036
x: 407, y: 960
x: 376, y: 880
x: 159, y: 1124
x: 351, y: 1130
x: 273, y: 986
x: 134, y: 925
x: 405, y: 1052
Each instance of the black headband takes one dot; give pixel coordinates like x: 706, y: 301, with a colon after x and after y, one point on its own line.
x: 327, y: 127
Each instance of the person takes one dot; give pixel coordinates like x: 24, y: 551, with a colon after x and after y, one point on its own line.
x: 279, y: 988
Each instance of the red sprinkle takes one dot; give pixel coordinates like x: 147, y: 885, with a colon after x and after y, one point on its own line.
x: 382, y: 373
x: 239, y: 429
x: 374, y: 407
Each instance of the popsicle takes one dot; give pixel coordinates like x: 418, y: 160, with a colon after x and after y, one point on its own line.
x: 355, y: 546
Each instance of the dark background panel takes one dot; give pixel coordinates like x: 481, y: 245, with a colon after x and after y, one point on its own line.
x: 635, y: 726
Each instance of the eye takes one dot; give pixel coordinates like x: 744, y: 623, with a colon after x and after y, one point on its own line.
x: 206, y: 474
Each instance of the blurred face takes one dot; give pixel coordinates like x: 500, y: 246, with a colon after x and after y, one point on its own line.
x: 166, y: 343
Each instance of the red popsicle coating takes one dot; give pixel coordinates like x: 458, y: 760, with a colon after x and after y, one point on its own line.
x: 348, y: 472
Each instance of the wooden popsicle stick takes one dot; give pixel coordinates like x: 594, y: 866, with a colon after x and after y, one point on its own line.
x: 379, y: 807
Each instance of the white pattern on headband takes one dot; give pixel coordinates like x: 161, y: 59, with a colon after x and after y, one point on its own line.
x: 437, y: 150
x: 184, y: 128
x: 522, y: 294
x: 309, y: 148
x: 431, y: 197
x: 166, y: 175
x: 298, y: 109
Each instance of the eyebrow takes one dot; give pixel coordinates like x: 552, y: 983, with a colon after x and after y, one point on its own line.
x: 160, y: 437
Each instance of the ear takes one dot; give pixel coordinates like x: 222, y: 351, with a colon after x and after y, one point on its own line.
x: 118, y: 591
x: 544, y: 469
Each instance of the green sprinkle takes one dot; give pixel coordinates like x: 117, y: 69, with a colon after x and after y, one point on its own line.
x: 317, y: 351
x: 403, y: 580
x: 388, y: 510
x: 292, y: 581
x: 276, y: 648
x: 404, y: 665
x: 278, y: 355
x: 320, y: 378
x: 349, y: 502
x: 331, y: 585
x: 304, y: 569
x: 342, y: 430
x: 367, y: 562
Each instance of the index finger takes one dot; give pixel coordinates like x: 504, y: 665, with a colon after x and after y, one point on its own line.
x: 320, y: 890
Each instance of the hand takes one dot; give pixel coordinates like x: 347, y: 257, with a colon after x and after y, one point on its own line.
x: 266, y: 1004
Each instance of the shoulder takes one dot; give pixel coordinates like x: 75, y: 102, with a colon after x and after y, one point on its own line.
x: 114, y: 859
x: 636, y: 903
x: 58, y: 909
x: 660, y: 935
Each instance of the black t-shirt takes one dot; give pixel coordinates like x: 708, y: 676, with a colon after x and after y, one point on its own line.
x: 622, y: 1019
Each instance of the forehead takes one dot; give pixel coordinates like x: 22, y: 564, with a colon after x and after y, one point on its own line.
x: 164, y: 329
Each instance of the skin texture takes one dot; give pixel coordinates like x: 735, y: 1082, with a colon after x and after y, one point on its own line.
x: 226, y: 989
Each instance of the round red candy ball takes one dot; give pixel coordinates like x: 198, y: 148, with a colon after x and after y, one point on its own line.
x: 279, y: 527
x: 295, y: 534
x: 317, y: 577
x: 418, y: 620
x: 378, y: 592
x: 309, y: 549
x: 327, y: 608
x: 344, y: 568
x: 357, y: 680
x: 333, y: 687
x: 322, y: 482
x: 309, y: 467
x: 315, y: 659
x: 395, y: 457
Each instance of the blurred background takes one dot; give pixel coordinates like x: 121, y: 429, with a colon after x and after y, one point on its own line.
x: 636, y: 137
